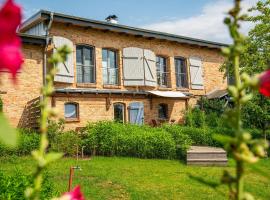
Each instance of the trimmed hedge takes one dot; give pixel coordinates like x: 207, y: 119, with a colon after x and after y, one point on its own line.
x: 111, y: 139
x: 116, y: 139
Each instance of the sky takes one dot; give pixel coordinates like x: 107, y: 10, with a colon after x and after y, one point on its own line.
x: 201, y: 19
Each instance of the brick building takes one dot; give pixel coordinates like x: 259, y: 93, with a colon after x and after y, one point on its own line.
x: 114, y: 72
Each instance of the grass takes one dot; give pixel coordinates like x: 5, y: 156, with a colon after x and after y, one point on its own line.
x: 132, y: 178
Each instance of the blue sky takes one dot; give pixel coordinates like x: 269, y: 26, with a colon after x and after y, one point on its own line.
x: 193, y: 18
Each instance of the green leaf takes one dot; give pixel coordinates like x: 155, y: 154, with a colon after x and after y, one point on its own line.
x: 224, y: 139
x: 50, y: 157
x: 8, y: 134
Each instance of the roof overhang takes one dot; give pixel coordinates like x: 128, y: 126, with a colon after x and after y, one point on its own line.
x: 165, y: 94
x: 169, y: 94
x: 217, y: 94
x: 44, y: 15
x: 32, y: 39
x: 96, y: 91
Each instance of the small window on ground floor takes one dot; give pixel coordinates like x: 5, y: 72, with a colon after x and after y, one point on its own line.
x: 163, y: 111
x: 71, y: 111
x: 119, y: 111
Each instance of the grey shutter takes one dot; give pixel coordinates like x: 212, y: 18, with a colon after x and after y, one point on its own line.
x: 133, y: 72
x: 150, y: 68
x: 196, y: 74
x: 65, y: 72
x: 136, y: 113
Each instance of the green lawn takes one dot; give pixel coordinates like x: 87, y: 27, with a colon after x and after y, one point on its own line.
x: 131, y: 178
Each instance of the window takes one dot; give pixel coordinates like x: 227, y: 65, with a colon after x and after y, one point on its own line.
x: 85, y: 64
x: 109, y: 66
x: 71, y: 111
x: 162, y: 71
x: 181, y: 73
x: 119, y: 111
x: 163, y: 111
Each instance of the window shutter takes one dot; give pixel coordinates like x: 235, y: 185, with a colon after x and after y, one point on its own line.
x: 65, y: 72
x: 133, y: 66
x: 150, y: 68
x: 136, y: 113
x: 196, y: 75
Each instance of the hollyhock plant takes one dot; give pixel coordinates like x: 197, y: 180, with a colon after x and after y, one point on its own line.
x: 264, y: 86
x: 10, y: 43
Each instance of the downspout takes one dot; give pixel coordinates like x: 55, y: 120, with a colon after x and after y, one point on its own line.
x: 46, y: 48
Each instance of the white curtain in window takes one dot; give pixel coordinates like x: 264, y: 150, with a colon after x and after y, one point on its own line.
x: 70, y: 111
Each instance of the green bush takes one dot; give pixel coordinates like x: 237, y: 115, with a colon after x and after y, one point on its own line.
x: 66, y: 142
x: 117, y: 139
x: 212, y: 120
x: 55, y: 128
x: 13, y: 186
x: 182, y: 140
x: 216, y: 106
x: 197, y: 136
x: 195, y: 117
x: 27, y: 142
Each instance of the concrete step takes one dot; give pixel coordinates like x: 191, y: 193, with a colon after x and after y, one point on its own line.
x: 206, y: 156
x: 208, y: 162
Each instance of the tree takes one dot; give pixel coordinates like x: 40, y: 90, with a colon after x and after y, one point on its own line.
x: 254, y: 59
x: 256, y: 113
x: 256, y: 54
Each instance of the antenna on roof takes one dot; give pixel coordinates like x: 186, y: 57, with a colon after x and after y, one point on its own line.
x: 112, y: 19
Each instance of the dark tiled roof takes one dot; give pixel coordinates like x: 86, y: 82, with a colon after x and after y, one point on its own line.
x: 43, y: 15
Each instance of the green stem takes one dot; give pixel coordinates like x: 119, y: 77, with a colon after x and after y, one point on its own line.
x: 240, y: 180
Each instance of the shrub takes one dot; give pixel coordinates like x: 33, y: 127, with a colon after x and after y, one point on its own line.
x: 182, y: 141
x: 13, y: 186
x: 66, y: 142
x: 111, y: 139
x: 27, y: 142
x: 55, y: 128
x: 197, y: 136
x: 216, y: 106
x: 195, y: 117
x: 212, y: 120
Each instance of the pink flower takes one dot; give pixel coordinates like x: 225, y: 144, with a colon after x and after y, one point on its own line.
x: 264, y: 86
x: 10, y: 43
x: 10, y: 17
x: 75, y: 194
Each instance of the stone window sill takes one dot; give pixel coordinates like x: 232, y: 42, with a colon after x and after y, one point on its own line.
x: 69, y: 120
x: 182, y: 89
x: 112, y: 86
x: 86, y: 85
x: 164, y: 88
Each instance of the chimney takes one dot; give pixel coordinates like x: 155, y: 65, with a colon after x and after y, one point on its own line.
x: 112, y: 19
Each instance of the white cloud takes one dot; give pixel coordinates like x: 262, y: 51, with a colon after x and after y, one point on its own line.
x: 205, y: 25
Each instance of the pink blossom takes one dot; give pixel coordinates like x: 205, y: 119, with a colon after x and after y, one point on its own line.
x: 10, y: 43
x: 75, y: 194
x: 264, y: 86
